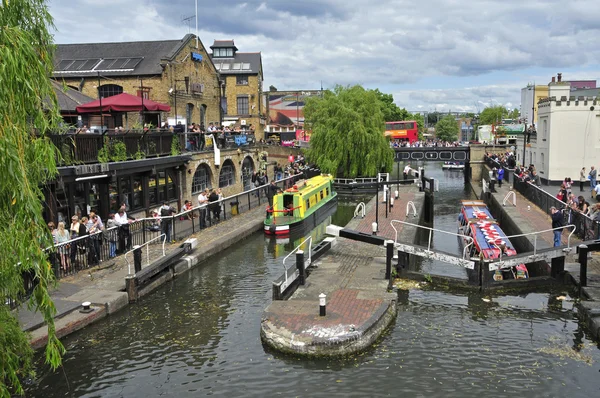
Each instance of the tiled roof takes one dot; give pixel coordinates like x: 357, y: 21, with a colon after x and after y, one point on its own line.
x: 117, y: 59
x: 223, y: 44
x: 69, y: 99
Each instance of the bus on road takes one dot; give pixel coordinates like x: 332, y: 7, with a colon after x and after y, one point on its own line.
x: 403, y: 131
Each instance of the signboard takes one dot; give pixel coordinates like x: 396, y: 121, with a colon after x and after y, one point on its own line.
x: 240, y: 140
x: 286, y: 108
x: 273, y: 137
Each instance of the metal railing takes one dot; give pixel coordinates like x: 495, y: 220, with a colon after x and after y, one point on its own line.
x: 535, y: 234
x: 410, y: 204
x: 360, y: 207
x: 585, y: 227
x: 466, y: 249
x: 147, y: 245
x: 285, y: 267
x: 358, y: 180
x: 514, y: 198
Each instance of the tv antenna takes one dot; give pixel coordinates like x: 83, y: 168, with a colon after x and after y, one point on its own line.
x: 188, y: 20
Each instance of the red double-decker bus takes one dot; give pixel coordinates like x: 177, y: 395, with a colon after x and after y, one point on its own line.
x: 404, y: 131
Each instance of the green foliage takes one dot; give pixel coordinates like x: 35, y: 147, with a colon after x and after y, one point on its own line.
x: 118, y: 152
x: 391, y: 111
x: 175, y: 147
x: 514, y: 114
x: 103, y: 153
x: 27, y: 161
x: 447, y: 129
x: 428, y: 277
x: 493, y: 115
x: 347, y: 136
x: 139, y: 155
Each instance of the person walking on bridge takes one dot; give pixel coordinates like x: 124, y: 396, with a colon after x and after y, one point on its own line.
x: 593, y: 174
x: 582, y: 178
x: 557, y: 222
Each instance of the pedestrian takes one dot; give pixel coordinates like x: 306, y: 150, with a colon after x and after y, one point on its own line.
x: 111, y: 235
x: 166, y: 214
x: 582, y: 178
x: 406, y: 171
x: 593, y: 173
x: 215, y: 206
x: 557, y: 224
x: 202, y: 203
x: 62, y: 237
x: 271, y: 192
x: 500, y: 176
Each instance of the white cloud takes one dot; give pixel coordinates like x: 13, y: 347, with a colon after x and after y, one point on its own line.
x: 385, y: 44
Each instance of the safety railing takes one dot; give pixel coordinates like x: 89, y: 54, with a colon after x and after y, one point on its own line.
x: 410, y: 204
x: 360, y: 209
x: 537, y: 233
x: 466, y: 249
x: 514, y: 198
x: 147, y: 245
x: 285, y: 267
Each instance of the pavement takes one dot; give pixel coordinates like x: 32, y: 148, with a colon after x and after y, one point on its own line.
x: 359, y: 306
x: 104, y: 285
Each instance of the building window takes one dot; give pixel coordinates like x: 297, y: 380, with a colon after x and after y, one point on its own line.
x: 201, y: 179
x: 189, y: 112
x: 542, y: 159
x: 242, y: 105
x: 223, y: 52
x: 108, y: 90
x: 203, y: 115
x: 545, y: 128
x: 226, y: 177
x: 241, y: 80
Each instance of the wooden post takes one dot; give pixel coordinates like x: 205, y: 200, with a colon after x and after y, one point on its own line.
x: 137, y: 258
x: 583, y: 258
x: 131, y: 288
x: 389, y: 246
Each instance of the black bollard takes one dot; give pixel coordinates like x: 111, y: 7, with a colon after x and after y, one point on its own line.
x: 300, y: 267
x: 137, y: 258
x: 389, y: 246
x: 557, y: 266
x: 583, y: 259
x: 322, y: 304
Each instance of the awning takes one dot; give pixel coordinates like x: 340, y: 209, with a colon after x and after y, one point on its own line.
x: 123, y: 103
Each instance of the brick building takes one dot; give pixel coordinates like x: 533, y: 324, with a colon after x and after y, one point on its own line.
x: 176, y: 72
x: 242, y: 81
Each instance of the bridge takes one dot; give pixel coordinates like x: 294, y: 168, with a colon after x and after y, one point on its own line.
x: 445, y: 154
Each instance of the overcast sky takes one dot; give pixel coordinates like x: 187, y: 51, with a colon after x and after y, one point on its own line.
x: 458, y: 55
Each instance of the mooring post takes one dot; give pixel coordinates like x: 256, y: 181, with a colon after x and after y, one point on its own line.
x: 300, y: 266
x: 322, y: 304
x: 131, y: 288
x: 583, y: 259
x: 137, y: 258
x: 389, y: 246
x: 557, y: 266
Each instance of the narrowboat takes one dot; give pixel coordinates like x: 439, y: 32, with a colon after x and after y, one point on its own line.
x: 453, y: 166
x: 475, y: 221
x: 301, y: 207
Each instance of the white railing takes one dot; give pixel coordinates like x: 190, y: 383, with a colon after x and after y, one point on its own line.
x: 358, y: 180
x: 535, y: 235
x: 360, y: 207
x: 408, y: 206
x: 485, y: 186
x: 164, y: 238
x: 285, y: 268
x: 514, y: 198
x: 468, y: 239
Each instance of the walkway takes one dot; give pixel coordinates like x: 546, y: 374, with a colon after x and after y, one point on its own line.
x: 104, y: 286
x: 359, y: 306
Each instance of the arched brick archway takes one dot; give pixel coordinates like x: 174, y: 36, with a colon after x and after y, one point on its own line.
x: 227, y: 174
x: 202, y: 178
x: 248, y: 168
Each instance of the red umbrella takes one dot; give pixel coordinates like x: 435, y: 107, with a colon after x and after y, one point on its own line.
x: 123, y: 103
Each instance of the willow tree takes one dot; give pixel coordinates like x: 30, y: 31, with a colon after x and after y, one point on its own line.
x: 347, y: 132
x: 27, y: 161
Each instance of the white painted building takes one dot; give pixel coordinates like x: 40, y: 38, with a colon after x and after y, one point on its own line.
x: 568, y: 134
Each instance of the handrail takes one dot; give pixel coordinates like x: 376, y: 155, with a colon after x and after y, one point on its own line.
x: 411, y: 204
x: 309, y: 239
x: 164, y: 236
x: 546, y: 230
x: 360, y: 206
x: 514, y: 196
x: 466, y: 249
x: 485, y: 185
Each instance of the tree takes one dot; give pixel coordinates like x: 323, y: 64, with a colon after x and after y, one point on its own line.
x: 493, y: 115
x: 447, y: 129
x: 27, y: 161
x: 514, y: 114
x: 347, y: 136
x: 391, y: 111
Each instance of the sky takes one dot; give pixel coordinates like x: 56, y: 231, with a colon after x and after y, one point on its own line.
x: 452, y: 55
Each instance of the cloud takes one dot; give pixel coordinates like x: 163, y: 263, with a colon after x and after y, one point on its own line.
x: 390, y: 44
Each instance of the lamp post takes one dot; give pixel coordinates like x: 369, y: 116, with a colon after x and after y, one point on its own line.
x: 101, y: 113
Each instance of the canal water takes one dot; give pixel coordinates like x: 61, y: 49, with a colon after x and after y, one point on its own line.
x: 199, y: 336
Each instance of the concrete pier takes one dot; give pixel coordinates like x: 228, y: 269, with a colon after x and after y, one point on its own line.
x: 352, y: 275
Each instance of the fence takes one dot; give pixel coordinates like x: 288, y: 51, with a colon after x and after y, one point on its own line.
x: 585, y: 227
x: 88, y: 251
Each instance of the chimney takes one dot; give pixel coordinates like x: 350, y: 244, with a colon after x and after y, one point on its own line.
x: 559, y: 77
x: 553, y: 79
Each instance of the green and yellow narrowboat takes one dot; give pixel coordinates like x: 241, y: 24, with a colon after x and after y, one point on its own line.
x: 301, y: 207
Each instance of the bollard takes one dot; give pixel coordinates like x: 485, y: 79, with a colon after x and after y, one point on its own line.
x: 391, y: 202
x: 300, y: 266
x: 374, y: 228
x: 322, y: 304
x: 492, y: 183
x: 396, y: 193
x: 557, y: 266
x: 86, y: 307
x: 583, y: 259
x: 137, y: 258
x: 389, y: 246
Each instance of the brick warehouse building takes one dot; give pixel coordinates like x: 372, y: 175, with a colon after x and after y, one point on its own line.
x: 176, y: 72
x: 242, y: 78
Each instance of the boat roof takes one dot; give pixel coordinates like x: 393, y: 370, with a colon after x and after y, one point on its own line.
x: 476, y: 209
x: 481, y: 223
x: 305, y: 186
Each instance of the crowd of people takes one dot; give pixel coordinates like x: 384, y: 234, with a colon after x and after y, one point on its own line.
x: 425, y: 143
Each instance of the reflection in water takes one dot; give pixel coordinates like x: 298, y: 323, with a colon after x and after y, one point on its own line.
x: 199, y: 336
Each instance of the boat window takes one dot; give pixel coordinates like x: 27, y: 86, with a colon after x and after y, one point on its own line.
x: 327, y: 191
x: 322, y: 194
x: 287, y: 201
x: 307, y: 204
